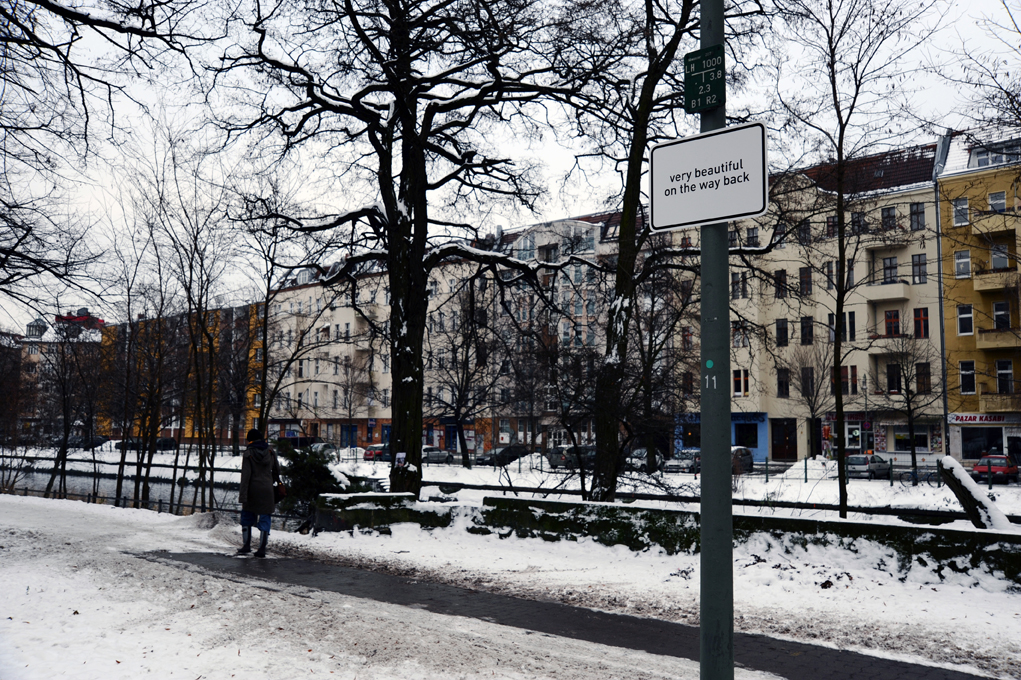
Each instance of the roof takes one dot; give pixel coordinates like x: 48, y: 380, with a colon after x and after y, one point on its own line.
x: 963, y: 142
x: 879, y: 172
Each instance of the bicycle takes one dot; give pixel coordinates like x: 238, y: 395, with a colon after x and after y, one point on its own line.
x: 912, y: 478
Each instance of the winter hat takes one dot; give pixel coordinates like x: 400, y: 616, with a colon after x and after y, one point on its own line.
x: 253, y: 435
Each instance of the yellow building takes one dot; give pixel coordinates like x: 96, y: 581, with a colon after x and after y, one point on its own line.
x: 979, y: 197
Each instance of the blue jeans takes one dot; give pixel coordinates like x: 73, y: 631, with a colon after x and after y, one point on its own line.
x: 248, y: 519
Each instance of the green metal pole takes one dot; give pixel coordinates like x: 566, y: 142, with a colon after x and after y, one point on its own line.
x: 716, y: 607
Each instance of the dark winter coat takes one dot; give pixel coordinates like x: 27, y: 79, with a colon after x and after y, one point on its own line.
x: 259, y: 470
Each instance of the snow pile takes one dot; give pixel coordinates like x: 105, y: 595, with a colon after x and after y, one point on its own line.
x: 991, y: 515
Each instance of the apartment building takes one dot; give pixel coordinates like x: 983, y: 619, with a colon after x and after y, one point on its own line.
x: 979, y: 193
x: 784, y: 305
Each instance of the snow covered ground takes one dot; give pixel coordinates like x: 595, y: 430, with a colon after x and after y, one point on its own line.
x: 79, y: 601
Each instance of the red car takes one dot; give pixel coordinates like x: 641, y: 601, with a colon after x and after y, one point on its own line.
x: 999, y: 467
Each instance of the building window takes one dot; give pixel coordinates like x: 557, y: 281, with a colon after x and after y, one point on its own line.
x: 752, y: 236
x: 1004, y: 376
x: 921, y: 322
x: 336, y: 398
x: 999, y: 259
x: 965, y: 325
x: 889, y: 218
x: 917, y: 216
x: 805, y: 281
x: 687, y: 338
x: 1001, y: 316
x: 960, y: 211
x: 923, y: 378
x: 831, y: 226
x: 847, y: 329
x: 829, y: 269
x: 740, y: 333
x: 919, y: 273
x: 782, y: 333
x: 998, y: 202
x: 733, y: 237
x: 807, y: 330
x: 962, y: 264
x: 892, y: 323
x: 741, y: 382
x: 807, y: 381
x: 386, y: 397
x: 893, y: 378
x: 804, y: 232
x: 848, y: 380
x: 735, y: 285
x: 783, y: 383
x: 889, y: 270
x: 858, y: 223
x: 966, y: 369
x: 780, y: 283
x: 688, y: 382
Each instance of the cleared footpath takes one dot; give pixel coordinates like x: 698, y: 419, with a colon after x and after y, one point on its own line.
x: 792, y: 660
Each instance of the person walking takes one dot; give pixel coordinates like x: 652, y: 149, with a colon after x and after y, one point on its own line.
x: 259, y: 471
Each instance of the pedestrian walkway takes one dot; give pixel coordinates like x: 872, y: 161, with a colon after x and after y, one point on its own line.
x: 791, y: 660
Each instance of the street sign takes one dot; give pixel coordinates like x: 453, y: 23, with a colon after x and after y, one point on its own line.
x: 717, y: 176
x: 705, y: 82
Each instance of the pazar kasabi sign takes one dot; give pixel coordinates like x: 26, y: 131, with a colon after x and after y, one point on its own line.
x: 983, y: 418
x: 713, y: 177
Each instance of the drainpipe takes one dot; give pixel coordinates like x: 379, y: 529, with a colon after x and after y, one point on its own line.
x: 942, y: 148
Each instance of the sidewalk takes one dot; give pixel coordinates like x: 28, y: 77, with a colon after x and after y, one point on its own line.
x: 791, y: 660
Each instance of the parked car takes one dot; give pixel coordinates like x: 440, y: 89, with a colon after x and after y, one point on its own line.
x: 638, y: 460
x: 166, y: 444
x: 1000, y: 468
x: 555, y: 457
x: 502, y: 456
x: 686, y: 460
x: 378, y: 452
x: 741, y: 459
x: 86, y: 444
x: 434, y: 454
x: 869, y: 466
x: 298, y: 442
x: 128, y: 444
x: 326, y: 449
x: 572, y: 455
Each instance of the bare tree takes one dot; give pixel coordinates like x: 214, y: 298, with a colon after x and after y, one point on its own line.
x: 838, y: 88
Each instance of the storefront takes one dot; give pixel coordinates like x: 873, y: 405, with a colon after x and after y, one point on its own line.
x: 974, y: 434
x: 746, y: 429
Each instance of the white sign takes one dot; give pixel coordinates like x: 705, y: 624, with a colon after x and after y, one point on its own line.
x: 717, y: 176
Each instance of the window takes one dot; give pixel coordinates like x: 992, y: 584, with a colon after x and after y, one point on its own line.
x: 921, y: 322
x: 919, y: 273
x: 783, y: 383
x: 687, y: 338
x: 807, y: 332
x: 960, y: 211
x: 752, y: 236
x: 831, y: 226
x: 966, y: 369
x: 998, y: 202
x: 830, y: 268
x: 892, y: 323
x: 804, y: 232
x: 782, y: 333
x: 317, y: 367
x: 386, y: 363
x: 315, y: 399
x: 893, y: 378
x: 962, y: 264
x: 780, y: 283
x: 998, y: 257
x: 256, y: 400
x: 301, y: 368
x: 858, y: 223
x: 917, y: 217
x: 741, y: 382
x: 579, y: 304
x: 923, y: 378
x: 1001, y: 316
x: 735, y: 285
x: 805, y: 281
x: 1004, y: 376
x: 587, y: 238
x: 740, y: 333
x: 526, y: 247
x: 732, y: 238
x: 807, y: 381
x: 386, y: 397
x: 888, y: 217
x: 688, y: 382
x: 846, y: 331
x: 848, y: 380
x: 965, y: 325
x: 336, y: 398
x: 889, y: 270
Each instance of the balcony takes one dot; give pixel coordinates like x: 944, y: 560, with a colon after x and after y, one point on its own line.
x: 985, y: 223
x: 883, y: 239
x: 994, y: 281
x: 889, y: 344
x: 991, y: 402
x: 884, y: 292
x: 991, y: 338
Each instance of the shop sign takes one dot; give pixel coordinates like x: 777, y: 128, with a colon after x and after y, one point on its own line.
x: 983, y: 418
